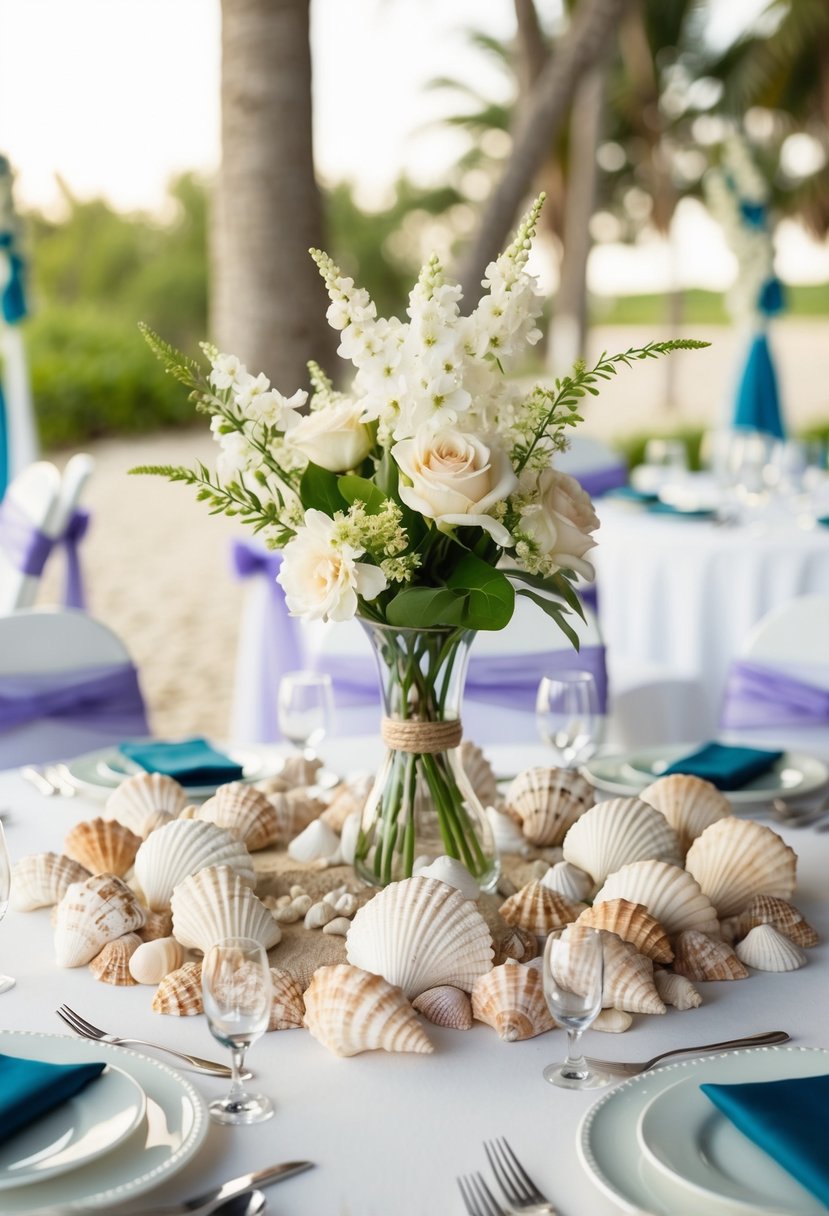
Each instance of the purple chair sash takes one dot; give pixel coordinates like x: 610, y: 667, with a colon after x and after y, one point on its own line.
x: 758, y: 696
x: 28, y: 549
x: 601, y: 481
x: 109, y: 697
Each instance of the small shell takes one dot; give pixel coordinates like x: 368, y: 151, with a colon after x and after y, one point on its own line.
x: 568, y: 880
x: 767, y: 949
x: 445, y: 1006
x: 480, y: 773
x: 786, y: 918
x: 153, y: 960
x: 547, y: 801
x: 112, y: 965
x: 671, y: 895
x: 510, y: 998
x: 506, y: 833
x: 42, y: 879
x: 349, y: 1010
x: 454, y: 872
x: 180, y: 992
x: 92, y: 913
x: 539, y: 910
x: 156, y: 924
x: 349, y: 837
x: 217, y: 903
x: 244, y: 812
x: 316, y: 842
x: 634, y: 924
x: 676, y: 990
x: 688, y: 803
x: 182, y: 848
x: 319, y: 915
x: 349, y: 797
x: 735, y: 859
x: 146, y: 800
x: 339, y: 926
x: 287, y: 1004
x: 516, y: 943
x: 628, y: 976
x: 612, y: 834
x: 299, y: 771
x: 295, y: 809
x: 102, y: 846
x: 612, y: 1021
x: 699, y: 957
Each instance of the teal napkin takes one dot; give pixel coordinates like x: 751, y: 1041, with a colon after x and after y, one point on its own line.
x: 665, y: 508
x: 824, y: 520
x: 729, y: 768
x: 30, y: 1088
x: 191, y: 762
x: 787, y: 1119
x: 629, y: 494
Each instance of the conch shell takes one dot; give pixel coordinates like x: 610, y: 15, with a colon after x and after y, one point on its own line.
x: 510, y: 998
x: 628, y: 975
x: 634, y: 924
x: 676, y: 990
x: 349, y: 1010
x: 699, y: 957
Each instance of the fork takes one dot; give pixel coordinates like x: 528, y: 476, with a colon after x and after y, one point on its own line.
x: 517, y: 1186
x: 87, y: 1031
x: 478, y: 1199
x: 632, y: 1068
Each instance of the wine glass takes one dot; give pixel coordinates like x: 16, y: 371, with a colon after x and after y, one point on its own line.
x: 236, y: 984
x: 305, y: 709
x: 6, y: 981
x: 573, y: 974
x: 567, y: 714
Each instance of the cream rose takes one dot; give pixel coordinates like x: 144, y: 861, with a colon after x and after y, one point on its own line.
x: 334, y: 437
x: 322, y: 578
x: 561, y: 522
x: 455, y: 479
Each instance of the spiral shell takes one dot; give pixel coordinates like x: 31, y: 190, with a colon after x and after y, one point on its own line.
x: 735, y: 859
x: 612, y: 834
x: 92, y: 913
x: 612, y: 1021
x: 180, y: 992
x: 767, y: 949
x: 480, y: 773
x: 42, y: 879
x: 215, y: 903
x: 690, y: 804
x: 156, y: 924
x: 628, y: 975
x: 102, y: 846
x: 785, y: 917
x: 349, y: 1010
x: 151, y: 961
x: 182, y: 848
x: 634, y: 924
x: 671, y: 895
x: 547, y: 801
x: 699, y: 957
x: 287, y: 1003
x: 676, y: 990
x: 539, y: 910
x: 112, y: 965
x: 145, y: 801
x: 571, y: 882
x: 510, y: 998
x: 445, y: 1006
x: 244, y: 812
x: 515, y: 943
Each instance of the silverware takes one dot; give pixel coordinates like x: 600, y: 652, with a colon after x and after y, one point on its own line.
x: 478, y: 1199
x: 251, y: 1203
x: 516, y: 1185
x: 230, y: 1193
x: 60, y: 777
x: 632, y: 1068
x: 799, y: 817
x: 36, y: 777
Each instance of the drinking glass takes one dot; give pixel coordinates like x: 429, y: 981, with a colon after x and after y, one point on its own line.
x: 305, y: 709
x: 573, y: 973
x: 567, y: 715
x: 670, y: 455
x: 6, y: 981
x: 236, y: 984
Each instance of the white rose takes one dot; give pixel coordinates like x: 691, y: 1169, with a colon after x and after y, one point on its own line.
x: 561, y: 521
x: 334, y: 437
x: 455, y: 479
x: 322, y: 579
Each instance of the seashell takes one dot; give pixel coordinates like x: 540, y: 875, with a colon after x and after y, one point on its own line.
x: 272, y: 785
x: 735, y: 859
x: 445, y: 1006
x: 156, y: 924
x: 547, y: 801
x: 349, y: 837
x: 343, y: 903
x: 155, y: 959
x: 295, y: 809
x: 539, y: 910
x: 612, y: 834
x: 516, y: 943
x: 628, y: 976
x: 180, y: 992
x: 182, y: 848
x: 349, y: 796
x: 568, y: 880
x: 316, y: 842
x: 690, y: 804
x: 612, y: 1021
x: 767, y: 949
x: 319, y: 915
x: 420, y: 933
x: 216, y: 902
x: 112, y: 965
x: 671, y: 895
x: 244, y: 812
x: 480, y: 773
x: 786, y: 918
x: 730, y: 929
x: 510, y: 998
x: 144, y: 801
x: 102, y: 846
x: 676, y: 990
x: 349, y: 1010
x: 287, y: 1005
x: 189, y: 812
x: 92, y: 913
x: 699, y: 957
x: 42, y: 879
x: 505, y: 833
x: 633, y: 923
x: 299, y: 770
x: 339, y: 926
x: 454, y: 872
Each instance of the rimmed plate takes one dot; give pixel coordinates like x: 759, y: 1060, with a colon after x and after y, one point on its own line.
x: 102, y: 771
x: 628, y: 772
x: 608, y: 1142
x: 172, y: 1131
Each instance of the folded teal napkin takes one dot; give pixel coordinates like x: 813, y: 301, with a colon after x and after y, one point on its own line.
x: 191, y: 762
x: 787, y: 1119
x: 30, y: 1088
x: 629, y: 494
x: 824, y: 520
x: 729, y: 768
x: 666, y: 508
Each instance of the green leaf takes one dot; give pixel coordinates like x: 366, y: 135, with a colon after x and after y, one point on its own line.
x: 555, y: 611
x: 354, y: 489
x: 563, y: 587
x: 318, y: 488
x: 491, y: 600
x: 426, y: 607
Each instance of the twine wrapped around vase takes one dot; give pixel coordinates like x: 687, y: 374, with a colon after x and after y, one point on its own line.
x: 421, y: 738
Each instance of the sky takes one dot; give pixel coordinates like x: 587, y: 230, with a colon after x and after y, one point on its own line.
x: 115, y: 96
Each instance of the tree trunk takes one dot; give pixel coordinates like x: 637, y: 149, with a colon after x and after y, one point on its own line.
x: 267, y: 300
x: 591, y: 32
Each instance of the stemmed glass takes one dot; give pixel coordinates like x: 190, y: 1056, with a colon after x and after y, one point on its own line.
x: 236, y: 984
x: 305, y: 709
x: 567, y: 715
x: 573, y: 974
x: 6, y: 981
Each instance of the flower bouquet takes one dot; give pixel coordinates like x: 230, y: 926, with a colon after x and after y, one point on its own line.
x: 422, y: 501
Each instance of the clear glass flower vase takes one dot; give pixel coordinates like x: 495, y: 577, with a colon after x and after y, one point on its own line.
x: 422, y: 804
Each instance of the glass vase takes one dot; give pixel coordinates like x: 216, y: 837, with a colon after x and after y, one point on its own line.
x: 422, y: 804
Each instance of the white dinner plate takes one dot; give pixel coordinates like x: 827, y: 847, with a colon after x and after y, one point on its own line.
x: 695, y: 492
x: 102, y: 771
x: 91, y: 1123
x: 629, y: 772
x: 173, y: 1129
x: 610, y: 1147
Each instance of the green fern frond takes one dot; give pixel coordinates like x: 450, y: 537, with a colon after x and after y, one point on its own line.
x: 176, y: 364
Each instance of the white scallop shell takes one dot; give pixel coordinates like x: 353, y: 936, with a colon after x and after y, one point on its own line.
x: 92, y: 913
x: 42, y: 879
x: 571, y: 882
x: 316, y: 842
x: 216, y: 902
x: 349, y: 1010
x: 670, y: 894
x: 767, y: 949
x: 153, y: 960
x: 689, y: 804
x: 614, y: 833
x: 547, y: 801
x: 349, y: 836
x: 420, y: 933
x: 735, y: 859
x: 244, y: 812
x: 181, y: 848
x: 146, y: 800
x: 450, y: 870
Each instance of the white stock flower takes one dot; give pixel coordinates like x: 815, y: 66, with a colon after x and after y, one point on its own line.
x: 237, y: 455
x: 560, y: 523
x: 455, y: 479
x: 228, y: 371
x: 334, y: 437
x: 322, y: 578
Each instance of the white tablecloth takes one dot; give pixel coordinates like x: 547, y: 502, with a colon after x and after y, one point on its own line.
x: 389, y: 1133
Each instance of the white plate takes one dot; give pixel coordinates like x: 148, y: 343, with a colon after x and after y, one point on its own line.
x: 702, y: 1157
x: 629, y: 772
x: 608, y: 1138
x: 172, y: 1131
x: 695, y: 492
x: 102, y: 771
x: 91, y: 1123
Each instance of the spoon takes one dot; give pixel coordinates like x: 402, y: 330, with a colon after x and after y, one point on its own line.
x: 251, y: 1203
x: 784, y: 813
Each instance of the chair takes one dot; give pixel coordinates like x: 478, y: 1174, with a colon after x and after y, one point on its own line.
x: 67, y: 686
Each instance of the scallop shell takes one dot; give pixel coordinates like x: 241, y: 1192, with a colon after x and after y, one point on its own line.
x: 454, y: 872
x: 145, y: 801
x: 445, y: 1006
x: 539, y: 910
x: 767, y: 949
x: 153, y: 960
x: 690, y: 804
x: 112, y: 965
x: 516, y: 943
x: 480, y: 773
x: 244, y: 812
x: 287, y: 1004
x: 42, y: 879
x: 92, y: 913
x: 349, y: 1010
x: 316, y: 842
x: 676, y: 990
x: 671, y: 895
x: 102, y: 846
x: 699, y: 957
x: 180, y: 992
x: 735, y: 859
x: 568, y: 880
x: 612, y: 834
x: 547, y: 801
x: 633, y: 923
x: 612, y: 1021
x: 628, y: 976
x: 182, y: 848
x: 420, y: 933
x: 510, y: 998
x: 786, y: 918
x: 215, y: 903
